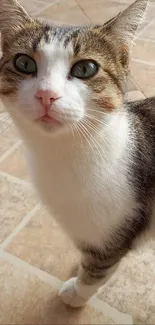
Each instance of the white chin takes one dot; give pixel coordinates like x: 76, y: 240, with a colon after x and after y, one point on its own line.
x: 50, y: 127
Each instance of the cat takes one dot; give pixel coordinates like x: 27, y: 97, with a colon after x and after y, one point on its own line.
x: 91, y: 153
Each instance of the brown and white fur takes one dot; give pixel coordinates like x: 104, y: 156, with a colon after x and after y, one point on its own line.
x: 94, y: 166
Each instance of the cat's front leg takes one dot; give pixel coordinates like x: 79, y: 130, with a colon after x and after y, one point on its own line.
x: 98, y: 264
x: 95, y: 270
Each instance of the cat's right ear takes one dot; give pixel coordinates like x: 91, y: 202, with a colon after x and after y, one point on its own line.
x: 124, y: 26
x: 13, y: 17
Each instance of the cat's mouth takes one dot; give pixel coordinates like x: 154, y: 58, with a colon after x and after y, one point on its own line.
x: 48, y: 119
x: 48, y: 123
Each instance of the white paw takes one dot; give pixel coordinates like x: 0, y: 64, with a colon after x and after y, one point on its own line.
x: 69, y: 294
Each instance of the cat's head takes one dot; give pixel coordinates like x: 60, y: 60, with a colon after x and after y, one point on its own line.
x: 59, y: 76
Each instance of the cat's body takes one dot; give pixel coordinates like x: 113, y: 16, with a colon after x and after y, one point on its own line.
x: 92, y: 156
x: 101, y: 177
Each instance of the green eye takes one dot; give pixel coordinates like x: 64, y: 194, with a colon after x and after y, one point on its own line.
x: 84, y: 69
x: 25, y: 64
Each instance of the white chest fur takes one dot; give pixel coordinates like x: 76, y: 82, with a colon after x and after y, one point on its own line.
x: 85, y: 190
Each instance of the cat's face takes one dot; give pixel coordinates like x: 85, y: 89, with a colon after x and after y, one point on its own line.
x: 58, y: 77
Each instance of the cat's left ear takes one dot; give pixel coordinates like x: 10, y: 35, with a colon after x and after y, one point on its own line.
x: 13, y: 17
x: 123, y: 27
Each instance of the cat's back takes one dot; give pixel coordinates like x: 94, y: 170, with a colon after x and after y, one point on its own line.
x: 141, y: 115
x: 142, y: 122
x: 143, y: 111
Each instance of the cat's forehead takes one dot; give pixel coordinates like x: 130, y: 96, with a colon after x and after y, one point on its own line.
x: 61, y: 40
x: 83, y: 41
x: 60, y: 33
x: 57, y: 36
x: 53, y: 55
x: 52, y: 45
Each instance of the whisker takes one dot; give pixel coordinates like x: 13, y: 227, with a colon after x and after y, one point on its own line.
x: 93, y: 140
x: 96, y: 111
x: 94, y: 128
x: 91, y: 126
x: 94, y: 118
x: 86, y: 135
x: 72, y: 130
x: 76, y: 127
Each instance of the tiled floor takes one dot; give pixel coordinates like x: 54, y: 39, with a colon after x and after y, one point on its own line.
x: 35, y: 256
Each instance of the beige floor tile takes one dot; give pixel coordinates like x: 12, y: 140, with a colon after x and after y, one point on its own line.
x: 8, y: 133
x: 15, y: 164
x: 131, y: 86
x: 33, y: 6
x: 135, y: 95
x: 51, y: 2
x: 15, y: 202
x: 102, y: 10
x: 106, y: 9
x: 43, y: 244
x: 149, y: 32
x: 144, y: 51
x: 26, y: 300
x: 67, y: 12
x: 144, y: 76
x: 132, y: 290
x: 127, y: 1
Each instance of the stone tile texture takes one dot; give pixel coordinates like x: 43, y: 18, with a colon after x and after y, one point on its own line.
x: 16, y: 201
x: 27, y: 300
x: 46, y: 245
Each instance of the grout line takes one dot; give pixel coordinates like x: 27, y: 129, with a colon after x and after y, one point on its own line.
x: 106, y: 309
x: 152, y: 64
x: 20, y: 226
x: 40, y: 10
x: 83, y: 11
x: 49, y: 5
x: 25, y: 266
x: 137, y: 85
x: 143, y: 29
x: 15, y: 179
x: 145, y: 39
x: 10, y: 150
x: 97, y: 304
x: 134, y: 82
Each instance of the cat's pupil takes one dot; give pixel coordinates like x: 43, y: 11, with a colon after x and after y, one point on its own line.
x: 26, y: 65
x: 84, y: 70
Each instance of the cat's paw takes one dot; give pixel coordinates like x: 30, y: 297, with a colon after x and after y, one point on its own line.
x: 69, y: 295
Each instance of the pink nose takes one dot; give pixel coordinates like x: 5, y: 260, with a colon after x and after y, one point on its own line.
x: 47, y: 97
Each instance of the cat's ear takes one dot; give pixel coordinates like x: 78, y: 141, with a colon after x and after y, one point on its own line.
x: 125, y: 25
x: 13, y: 17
